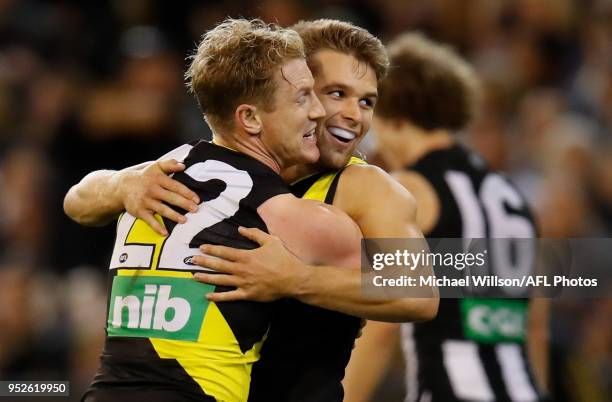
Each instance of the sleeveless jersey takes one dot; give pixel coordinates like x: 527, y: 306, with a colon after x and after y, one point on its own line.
x: 308, y: 348
x: 468, y: 353
x: 165, y: 341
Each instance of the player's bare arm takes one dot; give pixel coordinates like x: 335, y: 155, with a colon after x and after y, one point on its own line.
x: 142, y: 190
x: 361, y: 192
x: 370, y: 360
x: 425, y: 195
x: 538, y: 340
x: 382, y: 208
x: 311, y: 231
x: 374, y: 349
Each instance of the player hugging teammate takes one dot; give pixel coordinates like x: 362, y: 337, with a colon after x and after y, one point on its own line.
x: 283, y: 317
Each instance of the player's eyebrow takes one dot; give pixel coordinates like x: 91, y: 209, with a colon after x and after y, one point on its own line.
x: 305, y: 88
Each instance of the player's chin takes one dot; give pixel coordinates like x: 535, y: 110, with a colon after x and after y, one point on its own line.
x: 339, y: 159
x: 332, y: 160
x: 310, y: 153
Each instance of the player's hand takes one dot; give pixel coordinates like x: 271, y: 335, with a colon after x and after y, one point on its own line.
x: 145, y: 191
x: 264, y: 274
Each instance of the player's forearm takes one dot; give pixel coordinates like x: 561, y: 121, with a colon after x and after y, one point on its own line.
x: 339, y: 289
x: 96, y: 199
x: 538, y: 340
x: 538, y: 355
x: 370, y: 360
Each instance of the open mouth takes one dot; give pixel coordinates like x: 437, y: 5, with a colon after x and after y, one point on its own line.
x: 341, y: 134
x: 310, y: 134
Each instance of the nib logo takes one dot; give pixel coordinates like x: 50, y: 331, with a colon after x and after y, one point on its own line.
x: 157, y: 307
x: 153, y: 301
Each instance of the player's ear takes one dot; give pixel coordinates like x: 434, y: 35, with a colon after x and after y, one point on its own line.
x: 248, y: 118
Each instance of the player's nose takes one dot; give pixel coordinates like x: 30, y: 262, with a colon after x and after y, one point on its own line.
x: 352, y: 111
x: 317, y: 110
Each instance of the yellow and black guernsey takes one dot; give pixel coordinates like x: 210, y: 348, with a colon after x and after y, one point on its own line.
x: 307, y: 348
x: 165, y: 341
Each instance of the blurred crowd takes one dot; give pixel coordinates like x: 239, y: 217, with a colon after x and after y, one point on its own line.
x: 98, y: 85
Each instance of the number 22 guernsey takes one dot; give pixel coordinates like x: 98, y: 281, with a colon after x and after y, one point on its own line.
x: 165, y: 341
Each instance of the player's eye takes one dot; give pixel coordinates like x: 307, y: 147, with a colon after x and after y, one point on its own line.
x: 366, y: 102
x: 336, y: 94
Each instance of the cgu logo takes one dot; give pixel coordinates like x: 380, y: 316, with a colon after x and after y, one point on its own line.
x: 152, y: 312
x: 501, y: 322
x: 494, y: 320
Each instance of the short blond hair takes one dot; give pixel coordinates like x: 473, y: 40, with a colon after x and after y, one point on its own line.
x: 235, y: 63
x: 428, y: 84
x: 346, y: 38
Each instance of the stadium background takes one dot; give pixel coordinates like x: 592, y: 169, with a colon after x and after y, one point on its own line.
x: 91, y: 85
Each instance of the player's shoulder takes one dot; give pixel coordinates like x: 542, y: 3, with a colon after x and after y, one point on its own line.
x: 365, y: 174
x: 425, y: 194
x: 181, y: 152
x: 311, y: 223
x: 414, y: 181
x: 371, y: 179
x: 291, y: 208
x: 366, y: 187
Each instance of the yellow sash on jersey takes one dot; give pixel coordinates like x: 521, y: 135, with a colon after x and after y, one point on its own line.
x: 214, y: 360
x: 318, y: 191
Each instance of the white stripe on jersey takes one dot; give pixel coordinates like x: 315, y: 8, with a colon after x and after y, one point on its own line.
x: 425, y: 396
x: 515, y: 376
x: 179, y: 153
x: 139, y: 256
x: 466, y: 373
x: 126, y: 255
x: 411, y: 360
x: 461, y: 186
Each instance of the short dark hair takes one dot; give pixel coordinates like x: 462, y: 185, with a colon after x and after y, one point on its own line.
x: 428, y: 84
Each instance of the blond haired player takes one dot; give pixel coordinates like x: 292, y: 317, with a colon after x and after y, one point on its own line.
x: 165, y: 341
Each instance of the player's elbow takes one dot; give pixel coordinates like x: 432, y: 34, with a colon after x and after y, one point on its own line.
x: 412, y: 309
x: 429, y: 309
x: 71, y: 208
x: 418, y: 309
x: 75, y: 209
x: 430, y: 304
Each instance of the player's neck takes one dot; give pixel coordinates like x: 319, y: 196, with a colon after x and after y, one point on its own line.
x: 416, y: 144
x: 297, y: 172
x: 252, y: 146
